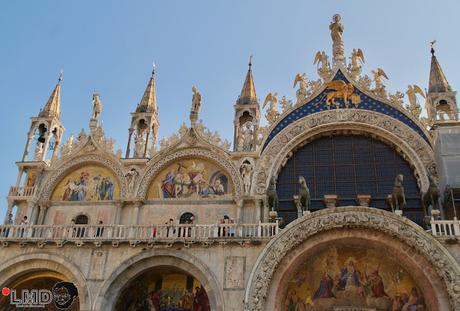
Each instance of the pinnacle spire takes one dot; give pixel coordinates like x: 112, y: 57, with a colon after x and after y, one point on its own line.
x: 148, y: 102
x: 438, y: 82
x: 248, y: 93
x: 53, y: 105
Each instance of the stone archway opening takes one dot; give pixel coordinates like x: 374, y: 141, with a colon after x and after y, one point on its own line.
x: 40, y: 280
x: 163, y: 288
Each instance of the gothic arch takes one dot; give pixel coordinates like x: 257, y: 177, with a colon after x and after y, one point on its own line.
x: 416, y: 150
x: 57, y: 174
x: 134, y: 266
x: 442, y: 269
x: 161, y: 162
x: 23, y: 264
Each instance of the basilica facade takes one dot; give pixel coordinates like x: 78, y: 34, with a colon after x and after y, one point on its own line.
x: 345, y: 200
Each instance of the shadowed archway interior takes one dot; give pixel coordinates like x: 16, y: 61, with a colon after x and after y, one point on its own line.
x: 347, y: 165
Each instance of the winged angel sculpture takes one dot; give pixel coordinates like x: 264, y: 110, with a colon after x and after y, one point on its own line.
x: 322, y: 62
x: 272, y: 111
x: 341, y: 90
x: 414, y: 106
x: 302, y: 92
x: 378, y: 75
x: 357, y: 60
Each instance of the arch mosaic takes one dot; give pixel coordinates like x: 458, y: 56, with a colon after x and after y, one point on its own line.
x: 215, y: 157
x: 59, y: 173
x: 23, y: 264
x: 345, y: 221
x: 136, y: 265
x: 416, y: 150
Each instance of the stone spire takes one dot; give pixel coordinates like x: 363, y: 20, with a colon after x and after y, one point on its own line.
x: 438, y: 82
x: 53, y: 106
x: 248, y: 93
x: 148, y: 102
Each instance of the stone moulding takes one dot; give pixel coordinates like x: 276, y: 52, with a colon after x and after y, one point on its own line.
x: 213, y: 156
x: 341, y: 218
x: 416, y: 150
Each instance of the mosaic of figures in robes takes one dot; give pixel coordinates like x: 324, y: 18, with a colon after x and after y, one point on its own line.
x: 162, y: 291
x: 87, y: 184
x: 352, y: 277
x: 190, y: 179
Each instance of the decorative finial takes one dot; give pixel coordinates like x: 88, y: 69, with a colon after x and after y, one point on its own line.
x: 153, y: 69
x: 250, y: 61
x: 432, y: 46
x: 61, y: 76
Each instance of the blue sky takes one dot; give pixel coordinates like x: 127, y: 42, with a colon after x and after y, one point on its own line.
x: 109, y: 46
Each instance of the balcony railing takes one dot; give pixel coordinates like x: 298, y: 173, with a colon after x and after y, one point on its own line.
x: 21, y: 191
x: 446, y: 228
x: 123, y: 233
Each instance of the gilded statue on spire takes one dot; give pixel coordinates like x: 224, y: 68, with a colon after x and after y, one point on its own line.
x: 338, y: 48
x: 97, y: 107
x: 378, y: 75
x: 196, y: 105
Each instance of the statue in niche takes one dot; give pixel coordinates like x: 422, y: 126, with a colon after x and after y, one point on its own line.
x: 38, y: 151
x: 272, y: 196
x: 246, y: 173
x: 97, y: 107
x: 397, y: 199
x: 139, y: 145
x: 131, y: 178
x: 247, y: 134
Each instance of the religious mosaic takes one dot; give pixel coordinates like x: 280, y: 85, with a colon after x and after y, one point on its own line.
x: 162, y: 291
x: 352, y: 277
x: 89, y: 183
x: 194, y: 178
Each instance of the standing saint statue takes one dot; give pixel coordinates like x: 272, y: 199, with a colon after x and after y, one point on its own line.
x: 97, y: 107
x: 196, y: 100
x: 338, y: 49
x: 248, y: 136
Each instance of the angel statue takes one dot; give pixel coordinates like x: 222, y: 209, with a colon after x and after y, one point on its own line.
x: 357, y: 60
x: 272, y: 112
x: 322, y: 62
x: 379, y: 87
x: 338, y: 49
x: 97, y: 107
x: 302, y: 92
x: 414, y: 106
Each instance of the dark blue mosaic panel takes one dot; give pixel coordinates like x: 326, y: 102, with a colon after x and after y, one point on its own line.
x: 367, y: 103
x: 347, y: 166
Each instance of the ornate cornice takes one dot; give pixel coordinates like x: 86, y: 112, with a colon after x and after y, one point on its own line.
x: 415, y: 149
x: 342, y: 218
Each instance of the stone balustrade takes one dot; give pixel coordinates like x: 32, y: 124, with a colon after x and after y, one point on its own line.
x: 445, y: 228
x: 21, y: 191
x: 136, y: 234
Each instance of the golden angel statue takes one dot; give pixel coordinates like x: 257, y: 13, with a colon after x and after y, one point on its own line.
x: 302, y: 92
x: 322, y: 62
x: 97, y: 107
x: 378, y: 75
x: 272, y: 112
x: 357, y: 60
x: 414, y: 106
x: 341, y: 90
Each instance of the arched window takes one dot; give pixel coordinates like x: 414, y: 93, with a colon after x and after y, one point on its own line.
x: 186, y: 218
x: 81, y: 220
x: 346, y: 166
